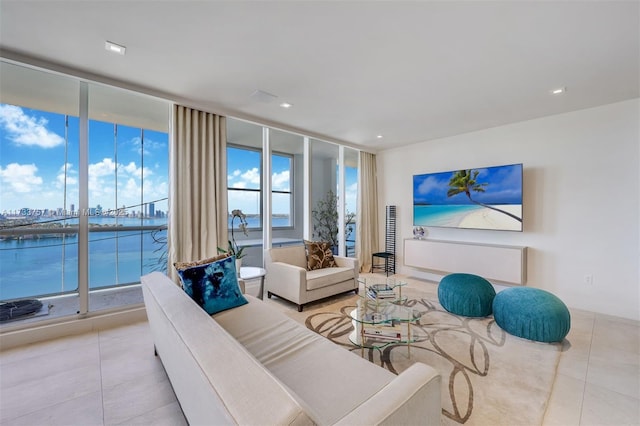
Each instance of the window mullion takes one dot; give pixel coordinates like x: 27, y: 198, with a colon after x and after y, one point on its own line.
x: 83, y: 201
x: 266, y: 189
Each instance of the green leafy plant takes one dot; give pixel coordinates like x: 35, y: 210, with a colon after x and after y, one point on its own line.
x: 325, y: 220
x: 465, y: 181
x: 233, y: 247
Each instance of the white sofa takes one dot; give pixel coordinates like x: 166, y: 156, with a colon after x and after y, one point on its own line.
x: 287, y: 276
x: 253, y: 365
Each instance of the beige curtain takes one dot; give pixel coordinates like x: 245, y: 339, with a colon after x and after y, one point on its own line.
x: 367, y: 216
x: 198, y: 186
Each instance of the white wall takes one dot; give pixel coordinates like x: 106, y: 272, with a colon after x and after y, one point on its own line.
x: 581, y: 200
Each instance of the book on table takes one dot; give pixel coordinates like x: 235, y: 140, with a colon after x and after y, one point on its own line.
x: 390, y: 331
x: 381, y: 291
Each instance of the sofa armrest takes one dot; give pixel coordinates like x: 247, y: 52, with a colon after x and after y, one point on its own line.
x: 412, y: 398
x: 285, y: 280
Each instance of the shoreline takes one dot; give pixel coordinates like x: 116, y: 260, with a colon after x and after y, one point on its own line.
x: 486, y: 218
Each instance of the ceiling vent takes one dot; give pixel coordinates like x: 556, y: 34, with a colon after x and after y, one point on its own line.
x: 263, y: 97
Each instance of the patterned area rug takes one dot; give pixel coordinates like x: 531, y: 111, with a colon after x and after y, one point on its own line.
x: 488, y: 376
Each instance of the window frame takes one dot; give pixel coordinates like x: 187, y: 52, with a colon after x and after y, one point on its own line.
x: 260, y: 190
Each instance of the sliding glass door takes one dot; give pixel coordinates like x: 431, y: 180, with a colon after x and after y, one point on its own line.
x: 42, y: 171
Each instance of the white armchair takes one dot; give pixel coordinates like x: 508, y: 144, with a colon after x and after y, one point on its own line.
x: 287, y: 276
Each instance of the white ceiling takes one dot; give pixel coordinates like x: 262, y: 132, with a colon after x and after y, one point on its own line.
x: 411, y: 71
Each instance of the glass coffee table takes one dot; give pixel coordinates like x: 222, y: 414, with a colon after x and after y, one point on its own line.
x: 388, y: 289
x: 379, y: 323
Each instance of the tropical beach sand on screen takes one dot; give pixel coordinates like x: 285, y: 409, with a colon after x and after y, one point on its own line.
x: 486, y: 218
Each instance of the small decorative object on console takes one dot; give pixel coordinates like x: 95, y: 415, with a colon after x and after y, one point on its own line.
x: 418, y: 232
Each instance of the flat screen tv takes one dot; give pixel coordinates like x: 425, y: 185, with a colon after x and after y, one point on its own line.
x: 480, y: 198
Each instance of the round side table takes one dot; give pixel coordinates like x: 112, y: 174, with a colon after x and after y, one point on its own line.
x: 252, y: 272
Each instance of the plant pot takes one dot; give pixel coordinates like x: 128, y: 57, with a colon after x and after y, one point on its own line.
x: 238, y: 266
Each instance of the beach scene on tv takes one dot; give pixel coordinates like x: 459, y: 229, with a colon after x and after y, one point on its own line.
x: 481, y: 198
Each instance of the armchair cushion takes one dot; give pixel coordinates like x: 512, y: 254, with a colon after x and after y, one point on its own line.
x: 319, y: 255
x: 327, y: 276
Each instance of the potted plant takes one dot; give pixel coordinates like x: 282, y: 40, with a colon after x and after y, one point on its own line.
x: 233, y: 247
x: 325, y: 221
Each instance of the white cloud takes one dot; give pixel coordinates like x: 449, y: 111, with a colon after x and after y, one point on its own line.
x: 105, y: 167
x: 131, y: 192
x: 102, y: 184
x: 149, y: 145
x: 429, y: 184
x: 71, y: 176
x: 280, y: 181
x: 351, y: 197
x: 131, y: 168
x: 251, y: 176
x: 21, y: 178
x: 23, y: 129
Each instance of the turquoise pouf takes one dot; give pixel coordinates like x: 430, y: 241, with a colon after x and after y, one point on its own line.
x: 466, y: 294
x: 532, y: 314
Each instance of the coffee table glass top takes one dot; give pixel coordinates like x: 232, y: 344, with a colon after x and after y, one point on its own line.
x: 382, y: 288
x: 375, y: 312
x: 379, y: 281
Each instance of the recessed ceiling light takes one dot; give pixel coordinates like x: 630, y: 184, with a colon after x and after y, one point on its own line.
x: 115, y: 48
x: 379, y: 136
x: 558, y: 91
x: 286, y: 105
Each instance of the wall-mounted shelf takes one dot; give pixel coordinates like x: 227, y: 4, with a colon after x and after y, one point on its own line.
x: 493, y: 262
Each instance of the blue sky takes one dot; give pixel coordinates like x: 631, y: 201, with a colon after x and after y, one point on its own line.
x: 32, y: 162
x: 32, y: 165
x: 243, y: 171
x: 504, y: 187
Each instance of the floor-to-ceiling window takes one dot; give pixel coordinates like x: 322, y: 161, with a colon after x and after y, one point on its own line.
x: 125, y: 175
x: 324, y: 164
x: 351, y: 199
x: 324, y: 192
x: 247, y: 190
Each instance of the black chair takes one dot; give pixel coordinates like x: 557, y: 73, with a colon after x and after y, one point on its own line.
x: 388, y: 256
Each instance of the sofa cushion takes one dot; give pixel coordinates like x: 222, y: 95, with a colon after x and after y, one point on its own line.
x: 313, y: 368
x: 213, y: 286
x: 188, y: 264
x: 320, y: 278
x: 319, y: 255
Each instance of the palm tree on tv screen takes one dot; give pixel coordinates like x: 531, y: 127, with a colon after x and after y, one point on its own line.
x: 466, y: 181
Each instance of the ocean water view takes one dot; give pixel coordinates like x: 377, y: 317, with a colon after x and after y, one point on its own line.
x: 42, y: 266
x: 441, y: 215
x: 31, y: 267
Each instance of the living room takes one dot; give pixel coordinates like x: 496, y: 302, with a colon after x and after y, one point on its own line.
x: 580, y: 184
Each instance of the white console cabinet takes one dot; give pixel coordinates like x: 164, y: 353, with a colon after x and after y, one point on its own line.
x: 494, y: 262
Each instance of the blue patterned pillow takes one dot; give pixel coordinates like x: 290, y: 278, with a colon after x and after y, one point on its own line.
x: 213, y: 286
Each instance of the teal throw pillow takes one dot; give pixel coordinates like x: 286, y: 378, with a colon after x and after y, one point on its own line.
x: 213, y: 286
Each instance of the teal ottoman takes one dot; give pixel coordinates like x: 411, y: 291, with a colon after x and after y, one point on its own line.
x: 466, y: 294
x: 532, y: 314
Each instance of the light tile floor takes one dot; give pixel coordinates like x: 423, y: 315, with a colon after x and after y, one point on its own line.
x: 112, y: 377
x: 103, y: 378
x: 598, y: 377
